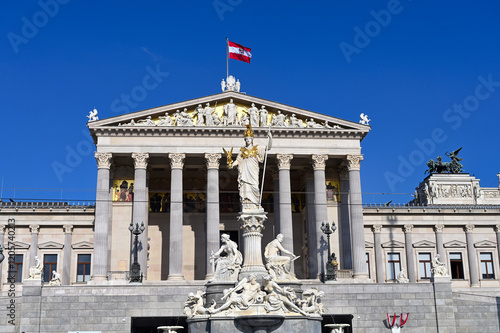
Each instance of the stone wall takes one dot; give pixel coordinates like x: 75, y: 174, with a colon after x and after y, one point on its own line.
x: 433, y: 307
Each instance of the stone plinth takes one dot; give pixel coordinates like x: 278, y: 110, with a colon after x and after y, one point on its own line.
x: 252, y: 223
x: 215, y: 291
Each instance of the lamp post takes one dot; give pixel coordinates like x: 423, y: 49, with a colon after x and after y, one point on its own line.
x: 2, y: 257
x: 331, y: 263
x: 135, y: 270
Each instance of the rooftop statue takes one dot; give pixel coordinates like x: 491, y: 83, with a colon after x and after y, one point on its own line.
x: 439, y: 166
x: 363, y: 119
x: 92, y: 115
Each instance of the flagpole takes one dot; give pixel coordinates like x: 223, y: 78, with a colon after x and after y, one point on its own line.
x: 227, y: 57
x: 265, y: 162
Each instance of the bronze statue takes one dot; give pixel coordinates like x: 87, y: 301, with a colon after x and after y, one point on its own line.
x: 439, y: 166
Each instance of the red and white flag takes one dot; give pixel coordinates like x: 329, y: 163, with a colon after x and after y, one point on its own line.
x: 239, y: 52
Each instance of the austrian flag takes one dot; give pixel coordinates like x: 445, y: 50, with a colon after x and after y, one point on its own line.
x: 239, y: 52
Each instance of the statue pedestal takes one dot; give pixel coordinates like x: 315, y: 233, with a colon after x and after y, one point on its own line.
x: 215, y: 291
x: 252, y: 223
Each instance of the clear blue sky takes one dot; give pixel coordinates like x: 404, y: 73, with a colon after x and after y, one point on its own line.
x: 404, y: 63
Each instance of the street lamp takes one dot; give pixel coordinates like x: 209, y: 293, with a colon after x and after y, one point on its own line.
x: 331, y: 263
x: 135, y: 270
x: 2, y: 257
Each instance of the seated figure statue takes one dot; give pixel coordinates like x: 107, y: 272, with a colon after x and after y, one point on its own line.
x: 279, y: 266
x: 438, y: 267
x: 56, y: 279
x: 35, y: 272
x: 227, y: 260
x: 245, y: 293
x: 402, y: 278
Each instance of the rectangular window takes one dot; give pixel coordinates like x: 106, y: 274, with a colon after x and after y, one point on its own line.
x: 83, y: 268
x: 368, y: 265
x: 15, y: 271
x: 394, y: 265
x: 487, y: 265
x: 456, y: 266
x: 49, y: 265
x: 424, y: 265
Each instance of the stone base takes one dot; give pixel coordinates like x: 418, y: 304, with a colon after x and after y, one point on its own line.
x: 33, y: 282
x: 255, y: 323
x: 215, y: 291
x: 441, y: 279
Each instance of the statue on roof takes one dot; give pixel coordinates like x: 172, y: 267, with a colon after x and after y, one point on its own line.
x: 231, y: 112
x: 363, y: 119
x: 93, y: 115
x: 439, y: 166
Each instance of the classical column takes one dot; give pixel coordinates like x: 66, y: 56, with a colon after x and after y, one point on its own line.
x: 471, y: 254
x: 311, y: 228
x: 34, y: 230
x: 438, y: 229
x: 140, y: 208
x: 176, y: 212
x: 497, y: 230
x: 320, y: 211
x: 276, y: 197
x: 213, y: 218
x: 285, y: 208
x: 379, y: 255
x: 345, y: 225
x: 3, y: 229
x: 102, y: 218
x: 66, y: 266
x: 357, y: 227
x: 410, y: 261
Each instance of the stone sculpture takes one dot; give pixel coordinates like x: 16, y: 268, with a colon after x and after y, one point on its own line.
x: 227, y: 260
x: 56, y: 279
x: 311, y: 123
x: 246, y: 292
x: 295, y: 122
x: 439, y: 166
x: 195, y: 305
x: 402, y: 278
x: 92, y: 116
x: 438, y: 267
x: 165, y: 120
x: 364, y: 119
x: 35, y: 272
x: 253, y: 114
x: 231, y: 113
x: 278, y: 120
x: 223, y: 85
x: 278, y: 298
x: 201, y: 115
x: 279, y: 266
x: 312, y: 301
x: 263, y: 116
x: 247, y: 162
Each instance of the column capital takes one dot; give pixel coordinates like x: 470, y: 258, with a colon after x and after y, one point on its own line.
x: 284, y: 161
x: 497, y: 228
x: 353, y: 162
x: 140, y: 160
x: 103, y: 160
x: 469, y: 228
x: 438, y: 228
x: 68, y: 228
x: 377, y: 228
x: 407, y: 228
x: 176, y: 160
x: 34, y: 228
x: 343, y: 171
x: 213, y: 160
x: 319, y: 161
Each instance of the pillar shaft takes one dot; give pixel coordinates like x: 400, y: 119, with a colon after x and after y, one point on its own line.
x: 379, y: 256
x: 345, y: 224
x: 311, y: 230
x: 497, y: 230
x: 140, y: 208
x: 3, y: 229
x: 320, y: 211
x: 102, y: 218
x: 66, y: 267
x: 285, y: 200
x: 276, y: 199
x: 471, y: 254
x: 34, y: 229
x: 438, y: 229
x: 176, y: 217
x: 410, y: 261
x: 357, y: 227
x: 213, y: 217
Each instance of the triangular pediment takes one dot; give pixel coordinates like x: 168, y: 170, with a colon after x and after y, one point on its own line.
x: 455, y: 244
x: 424, y: 244
x: 279, y: 116
x: 368, y: 245
x: 485, y: 244
x: 21, y: 245
x: 393, y: 244
x: 50, y: 245
x: 82, y: 245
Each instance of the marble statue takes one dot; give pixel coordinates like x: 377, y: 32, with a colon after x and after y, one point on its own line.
x: 195, y: 306
x: 223, y: 85
x: 165, y: 120
x: 145, y: 122
x: 231, y: 112
x: 231, y: 83
x: 209, y: 118
x: 253, y: 114
x: 56, y: 279
x: 364, y: 119
x: 35, y: 272
x: 183, y: 118
x: 295, y: 122
x: 263, y: 116
x: 438, y: 267
x: 227, y: 260
x: 402, y: 278
x: 201, y: 115
x: 311, y: 123
x: 278, y: 298
x: 278, y: 265
x: 246, y: 292
x: 237, y: 85
x: 247, y: 162
x: 92, y: 116
x: 312, y: 301
x: 244, y: 121
x: 278, y: 120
